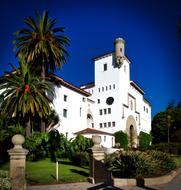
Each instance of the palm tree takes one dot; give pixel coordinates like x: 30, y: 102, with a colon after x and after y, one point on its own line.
x: 52, y: 120
x: 24, y: 95
x: 42, y: 44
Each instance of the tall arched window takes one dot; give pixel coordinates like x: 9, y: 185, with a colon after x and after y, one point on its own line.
x: 131, y: 104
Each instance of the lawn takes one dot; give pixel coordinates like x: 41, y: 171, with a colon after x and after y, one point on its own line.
x: 43, y: 172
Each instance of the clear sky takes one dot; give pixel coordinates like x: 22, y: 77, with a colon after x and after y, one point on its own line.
x: 149, y: 28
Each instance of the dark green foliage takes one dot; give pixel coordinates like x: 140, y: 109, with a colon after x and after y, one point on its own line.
x: 159, y: 128
x: 6, y: 133
x: 37, y: 144
x: 5, y: 183
x: 172, y: 148
x: 121, y: 139
x: 80, y: 143
x: 132, y: 164
x: 45, y: 145
x: 55, y: 145
x: 80, y: 158
x: 78, y: 147
x: 63, y: 151
x: 166, y: 126
x: 144, y: 139
x: 165, y: 161
x: 136, y: 164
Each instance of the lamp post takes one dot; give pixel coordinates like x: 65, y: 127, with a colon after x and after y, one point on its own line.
x: 168, y: 127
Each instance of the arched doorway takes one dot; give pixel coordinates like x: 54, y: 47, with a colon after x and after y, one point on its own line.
x: 131, y: 130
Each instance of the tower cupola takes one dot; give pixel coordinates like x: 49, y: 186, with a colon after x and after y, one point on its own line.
x: 119, y: 51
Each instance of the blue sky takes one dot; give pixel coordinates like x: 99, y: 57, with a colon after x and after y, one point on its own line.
x: 149, y: 28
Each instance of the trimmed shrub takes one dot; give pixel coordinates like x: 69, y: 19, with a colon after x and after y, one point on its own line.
x: 121, y: 139
x: 144, y: 139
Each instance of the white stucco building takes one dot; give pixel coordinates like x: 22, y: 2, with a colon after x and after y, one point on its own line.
x: 112, y: 103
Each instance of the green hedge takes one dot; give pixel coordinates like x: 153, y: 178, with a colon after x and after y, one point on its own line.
x: 171, y: 148
x: 144, y: 139
x: 121, y: 139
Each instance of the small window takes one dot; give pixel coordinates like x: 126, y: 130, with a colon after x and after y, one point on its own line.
x: 113, y: 123
x: 121, y: 49
x: 92, y: 91
x: 98, y: 101
x: 109, y: 87
x: 100, y: 112
x: 105, y: 124
x: 65, y: 113
x: 105, y: 111
x: 80, y: 112
x: 99, y: 89
x: 92, y: 125
x: 106, y: 88
x: 103, y: 89
x: 65, y: 98
x: 105, y: 67
x: 100, y: 125
x: 125, y: 68
x: 144, y: 108
x: 83, y: 99
x: 109, y: 124
x: 104, y: 138
x: 114, y: 86
x: 109, y: 110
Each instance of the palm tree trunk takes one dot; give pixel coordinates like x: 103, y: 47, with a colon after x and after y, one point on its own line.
x: 42, y: 122
x: 28, y: 127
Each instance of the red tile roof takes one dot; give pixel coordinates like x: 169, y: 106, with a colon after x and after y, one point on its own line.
x: 92, y: 131
x: 69, y: 85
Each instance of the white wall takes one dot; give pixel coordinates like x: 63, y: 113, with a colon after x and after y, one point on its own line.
x: 77, y: 110
x: 106, y: 140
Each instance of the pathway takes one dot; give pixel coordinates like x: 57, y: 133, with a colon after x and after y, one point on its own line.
x: 175, y: 184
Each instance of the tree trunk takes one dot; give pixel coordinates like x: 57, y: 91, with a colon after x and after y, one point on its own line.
x: 28, y: 127
x: 42, y: 122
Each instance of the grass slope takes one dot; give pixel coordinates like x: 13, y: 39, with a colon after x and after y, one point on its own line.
x: 43, y: 172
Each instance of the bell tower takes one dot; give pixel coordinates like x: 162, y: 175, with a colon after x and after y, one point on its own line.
x: 119, y: 51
